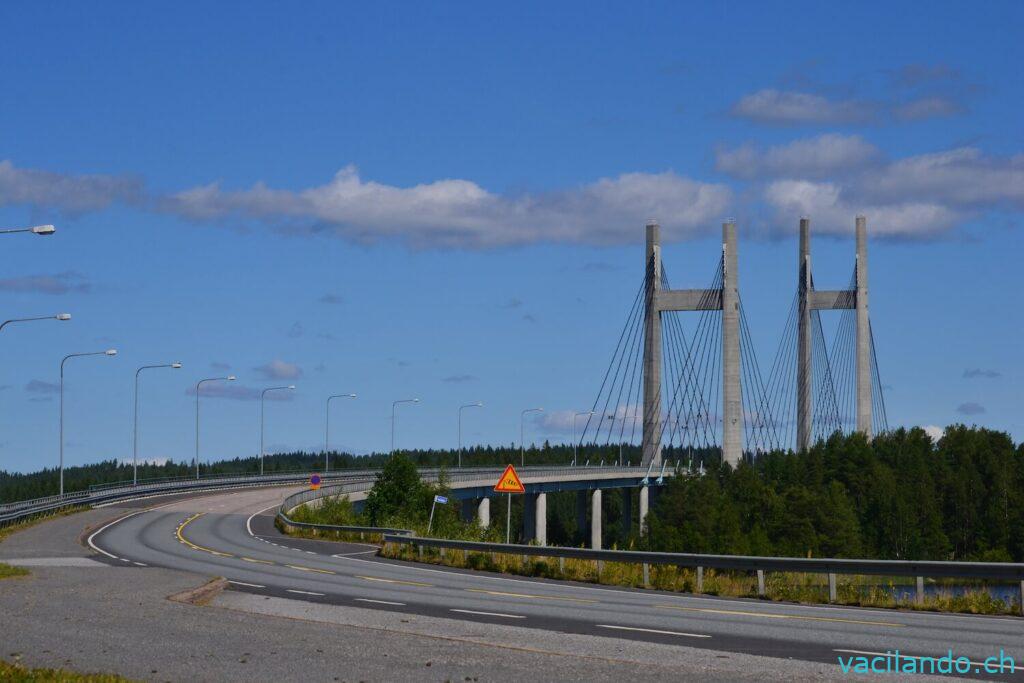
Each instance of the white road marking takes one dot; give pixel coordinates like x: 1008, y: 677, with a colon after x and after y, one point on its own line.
x: 303, y: 592
x: 380, y: 602
x: 653, y: 630
x: 1003, y: 667
x: 243, y: 583
x: 110, y: 524
x: 489, y: 614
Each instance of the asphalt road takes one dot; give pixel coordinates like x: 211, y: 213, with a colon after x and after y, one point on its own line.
x: 232, y: 535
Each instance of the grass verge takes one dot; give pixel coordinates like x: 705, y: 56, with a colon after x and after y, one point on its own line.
x: 25, y: 524
x: 859, y: 591
x: 9, y: 572
x: 17, y: 672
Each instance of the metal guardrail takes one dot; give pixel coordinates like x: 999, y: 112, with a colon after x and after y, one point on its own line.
x: 1002, y: 571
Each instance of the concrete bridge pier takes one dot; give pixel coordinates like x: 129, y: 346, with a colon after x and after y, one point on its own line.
x: 595, y: 519
x: 644, y: 493
x: 540, y: 518
x: 483, y: 513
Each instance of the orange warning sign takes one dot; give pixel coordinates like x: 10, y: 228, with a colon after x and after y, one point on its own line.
x: 509, y: 482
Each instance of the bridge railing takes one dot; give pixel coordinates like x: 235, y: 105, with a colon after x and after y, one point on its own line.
x: 998, y: 571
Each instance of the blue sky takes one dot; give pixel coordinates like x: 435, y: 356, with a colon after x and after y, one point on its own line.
x: 448, y: 202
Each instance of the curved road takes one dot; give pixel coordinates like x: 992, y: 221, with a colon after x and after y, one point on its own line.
x: 232, y: 535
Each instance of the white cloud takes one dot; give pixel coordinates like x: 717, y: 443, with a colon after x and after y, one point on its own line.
x: 934, y: 432
x: 833, y: 212
x: 791, y: 107
x: 279, y: 369
x: 460, y: 213
x: 73, y: 193
x: 822, y: 156
x: 927, y: 108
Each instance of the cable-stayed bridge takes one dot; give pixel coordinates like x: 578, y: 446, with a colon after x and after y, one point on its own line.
x: 693, y: 385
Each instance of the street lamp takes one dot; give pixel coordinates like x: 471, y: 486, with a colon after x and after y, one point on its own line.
x: 327, y: 429
x: 135, y: 424
x: 59, y: 316
x: 522, y: 447
x: 574, y: 451
x: 229, y: 378
x: 395, y: 403
x: 37, y: 229
x: 468, y: 405
x: 108, y: 352
x: 263, y: 395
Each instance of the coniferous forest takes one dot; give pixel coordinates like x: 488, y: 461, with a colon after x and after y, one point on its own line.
x: 901, y: 496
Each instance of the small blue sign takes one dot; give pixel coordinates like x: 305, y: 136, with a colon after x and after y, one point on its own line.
x: 440, y: 499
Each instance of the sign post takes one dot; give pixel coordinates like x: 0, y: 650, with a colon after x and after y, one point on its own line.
x: 437, y: 499
x: 509, y: 483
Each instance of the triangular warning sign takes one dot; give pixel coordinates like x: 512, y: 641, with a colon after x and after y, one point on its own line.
x: 509, y: 482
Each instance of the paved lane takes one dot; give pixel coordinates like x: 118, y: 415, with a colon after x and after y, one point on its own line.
x: 232, y: 535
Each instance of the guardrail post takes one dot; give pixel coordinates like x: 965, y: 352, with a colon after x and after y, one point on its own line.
x: 831, y: 587
x: 919, y: 598
x: 700, y: 579
x: 647, y: 575
x: 420, y: 548
x: 442, y: 552
x: 760, y: 583
x: 561, y: 569
x: 600, y: 566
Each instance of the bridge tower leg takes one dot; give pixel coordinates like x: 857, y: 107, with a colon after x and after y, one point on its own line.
x: 863, y: 332
x: 804, y: 416
x: 732, y: 406
x: 652, y: 350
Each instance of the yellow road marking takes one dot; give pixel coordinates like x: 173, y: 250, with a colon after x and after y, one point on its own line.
x: 527, y: 595
x: 309, y: 569
x: 190, y: 544
x: 249, y: 559
x: 402, y: 583
x: 764, y: 615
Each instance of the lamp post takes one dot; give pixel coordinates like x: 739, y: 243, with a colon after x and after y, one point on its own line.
x: 574, y: 450
x: 135, y: 423
x: 59, y: 316
x: 263, y: 396
x: 522, y: 447
x: 327, y: 429
x: 108, y: 352
x: 393, y: 405
x: 478, y: 404
x: 36, y: 229
x: 229, y: 378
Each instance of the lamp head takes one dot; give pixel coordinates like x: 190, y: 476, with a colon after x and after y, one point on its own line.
x: 415, y: 400
x: 44, y: 229
x: 176, y: 365
x: 230, y: 378
x: 63, y: 316
x: 111, y: 352
x: 352, y: 396
x: 291, y: 386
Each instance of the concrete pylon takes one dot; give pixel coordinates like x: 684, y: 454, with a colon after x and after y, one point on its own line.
x: 726, y: 300
x: 732, y: 401
x: 803, y: 341
x: 863, y: 332
x: 810, y: 299
x: 652, y: 348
